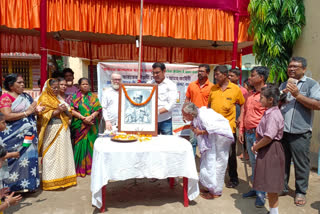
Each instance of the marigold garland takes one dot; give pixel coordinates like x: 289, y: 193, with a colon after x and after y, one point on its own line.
x: 138, y: 104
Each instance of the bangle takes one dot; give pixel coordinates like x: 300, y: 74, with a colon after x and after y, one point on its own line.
x: 8, y: 203
x: 25, y: 114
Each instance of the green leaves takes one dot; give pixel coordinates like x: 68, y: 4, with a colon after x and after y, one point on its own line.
x: 276, y: 25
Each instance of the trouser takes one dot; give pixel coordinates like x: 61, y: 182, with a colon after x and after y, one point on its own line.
x: 232, y: 161
x: 297, y: 148
x: 165, y: 127
x: 193, y: 141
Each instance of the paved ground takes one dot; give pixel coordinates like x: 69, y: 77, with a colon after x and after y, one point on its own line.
x: 146, y: 197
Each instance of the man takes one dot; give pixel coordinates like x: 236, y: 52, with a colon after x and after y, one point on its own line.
x: 214, y: 137
x: 167, y: 95
x: 110, y: 102
x: 253, y: 112
x: 69, y: 77
x: 136, y: 114
x: 234, y: 76
x: 223, y: 99
x: 303, y: 97
x: 198, y: 93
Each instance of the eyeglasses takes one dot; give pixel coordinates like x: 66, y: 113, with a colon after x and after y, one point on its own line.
x: 116, y: 79
x: 294, y: 66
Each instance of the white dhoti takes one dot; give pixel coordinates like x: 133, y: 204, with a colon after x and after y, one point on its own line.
x: 214, y: 148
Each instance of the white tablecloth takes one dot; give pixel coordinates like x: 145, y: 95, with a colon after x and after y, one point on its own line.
x: 163, y: 156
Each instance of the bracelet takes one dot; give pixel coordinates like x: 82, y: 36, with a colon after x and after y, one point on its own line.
x: 8, y: 203
x: 25, y: 114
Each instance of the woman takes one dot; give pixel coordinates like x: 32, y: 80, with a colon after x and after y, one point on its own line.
x: 84, y: 127
x: 62, y: 91
x: 20, y: 135
x: 58, y: 169
x: 214, y: 138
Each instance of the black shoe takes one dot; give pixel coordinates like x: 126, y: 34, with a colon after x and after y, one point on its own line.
x: 232, y: 184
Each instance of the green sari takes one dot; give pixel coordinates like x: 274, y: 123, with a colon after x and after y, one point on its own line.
x: 84, y: 135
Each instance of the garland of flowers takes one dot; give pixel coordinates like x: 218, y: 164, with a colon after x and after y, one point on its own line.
x: 138, y: 104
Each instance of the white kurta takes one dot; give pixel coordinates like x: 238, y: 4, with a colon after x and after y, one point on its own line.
x: 214, y: 148
x: 110, y: 103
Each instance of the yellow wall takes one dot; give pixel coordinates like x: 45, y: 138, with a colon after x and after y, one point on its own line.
x: 308, y: 46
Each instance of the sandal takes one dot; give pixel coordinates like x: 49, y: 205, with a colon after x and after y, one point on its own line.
x: 300, y: 200
x: 209, y: 196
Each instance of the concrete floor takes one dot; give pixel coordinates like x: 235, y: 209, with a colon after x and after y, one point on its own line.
x: 146, y: 197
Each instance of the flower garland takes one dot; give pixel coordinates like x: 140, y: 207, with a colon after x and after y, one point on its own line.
x: 138, y: 104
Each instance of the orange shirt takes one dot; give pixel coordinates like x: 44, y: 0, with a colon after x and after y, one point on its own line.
x: 199, y: 95
x: 252, y: 112
x: 224, y: 102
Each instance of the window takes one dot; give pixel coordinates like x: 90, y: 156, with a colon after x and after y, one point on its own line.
x: 95, y: 78
x: 22, y: 67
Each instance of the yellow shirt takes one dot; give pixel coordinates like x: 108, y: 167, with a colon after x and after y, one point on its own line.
x: 224, y: 102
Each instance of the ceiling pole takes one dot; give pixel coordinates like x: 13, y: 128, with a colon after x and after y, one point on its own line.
x: 140, y: 42
x: 43, y: 42
x: 235, y: 40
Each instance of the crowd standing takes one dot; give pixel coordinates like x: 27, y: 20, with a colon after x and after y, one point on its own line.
x: 62, y: 125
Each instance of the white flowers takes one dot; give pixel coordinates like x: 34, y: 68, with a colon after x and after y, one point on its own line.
x: 25, y: 183
x: 14, y: 176
x: 34, y: 171
x: 20, y: 135
x: 7, y: 130
x: 24, y: 162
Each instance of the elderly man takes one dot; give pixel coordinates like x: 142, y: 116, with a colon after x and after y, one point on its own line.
x: 110, y: 102
x: 303, y: 97
x: 198, y: 93
x: 223, y: 99
x: 214, y: 137
x: 167, y: 95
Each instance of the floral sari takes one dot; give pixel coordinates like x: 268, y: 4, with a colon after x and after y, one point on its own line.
x: 84, y: 135
x: 58, y: 170
x: 21, y: 135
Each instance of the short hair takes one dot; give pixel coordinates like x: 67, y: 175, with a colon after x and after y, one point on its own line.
x: 246, y: 81
x: 206, y: 66
x: 66, y: 70
x: 270, y: 91
x: 300, y: 59
x: 159, y: 65
x: 51, y: 81
x: 83, y: 79
x: 236, y: 71
x: 262, y: 71
x: 3, y: 151
x: 190, y: 108
x: 10, y: 80
x: 116, y: 73
x: 222, y: 69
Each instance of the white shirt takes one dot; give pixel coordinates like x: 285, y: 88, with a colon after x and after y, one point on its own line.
x: 110, y: 103
x: 167, y: 98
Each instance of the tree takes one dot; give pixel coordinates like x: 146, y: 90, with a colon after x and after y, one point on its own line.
x: 275, y: 25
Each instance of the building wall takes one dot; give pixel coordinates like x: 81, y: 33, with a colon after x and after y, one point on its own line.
x: 77, y: 66
x: 308, y: 46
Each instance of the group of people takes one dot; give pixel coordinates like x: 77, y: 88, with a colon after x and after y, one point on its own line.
x: 275, y: 124
x: 62, y: 124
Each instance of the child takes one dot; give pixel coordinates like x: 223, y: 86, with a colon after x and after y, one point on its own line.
x: 269, y: 170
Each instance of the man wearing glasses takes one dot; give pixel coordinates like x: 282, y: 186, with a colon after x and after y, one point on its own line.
x: 167, y: 97
x: 303, y: 97
x: 198, y: 93
x: 110, y: 102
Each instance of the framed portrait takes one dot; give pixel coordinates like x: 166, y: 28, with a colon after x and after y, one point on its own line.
x: 138, y: 109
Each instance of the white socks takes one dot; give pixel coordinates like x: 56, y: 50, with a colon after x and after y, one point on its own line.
x: 274, y: 210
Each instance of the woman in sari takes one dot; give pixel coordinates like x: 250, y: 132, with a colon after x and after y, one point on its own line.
x: 20, y: 135
x: 84, y: 127
x: 58, y: 169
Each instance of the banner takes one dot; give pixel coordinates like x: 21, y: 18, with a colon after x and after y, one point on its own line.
x: 182, y: 75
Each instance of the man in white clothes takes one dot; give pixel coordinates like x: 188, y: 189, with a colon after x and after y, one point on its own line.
x: 214, y: 138
x: 110, y: 102
x: 167, y: 95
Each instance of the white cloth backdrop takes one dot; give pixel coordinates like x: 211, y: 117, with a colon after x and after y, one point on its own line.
x: 164, y: 156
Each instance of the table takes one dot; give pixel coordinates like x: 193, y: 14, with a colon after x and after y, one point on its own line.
x: 161, y: 157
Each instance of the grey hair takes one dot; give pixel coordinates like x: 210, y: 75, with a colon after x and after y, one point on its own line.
x: 190, y: 108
